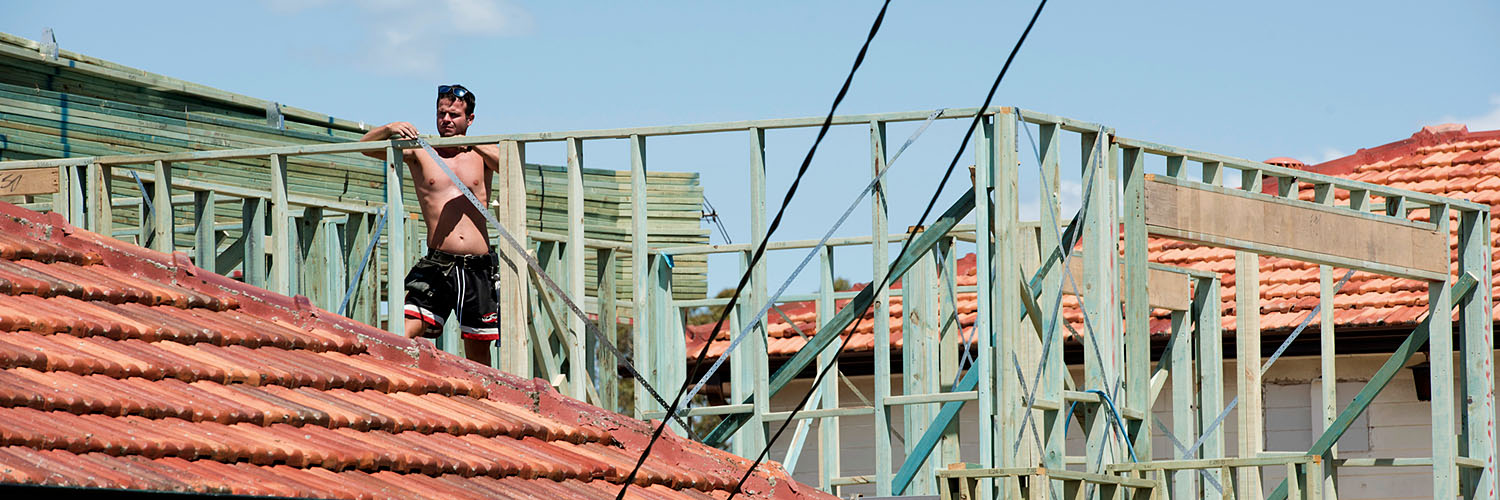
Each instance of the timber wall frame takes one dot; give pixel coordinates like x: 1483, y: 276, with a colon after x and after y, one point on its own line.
x: 1019, y: 263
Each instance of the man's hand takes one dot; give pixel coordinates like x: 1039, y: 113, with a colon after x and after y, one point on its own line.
x: 400, y: 130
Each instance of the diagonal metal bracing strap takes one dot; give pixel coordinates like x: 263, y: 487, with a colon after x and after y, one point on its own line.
x: 531, y: 262
x: 1466, y: 284
x: 1065, y: 246
x: 851, y: 310
x: 811, y: 253
x: 970, y: 379
x: 369, y: 250
x: 1306, y: 320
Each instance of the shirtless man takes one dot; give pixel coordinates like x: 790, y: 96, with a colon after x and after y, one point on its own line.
x: 459, y: 269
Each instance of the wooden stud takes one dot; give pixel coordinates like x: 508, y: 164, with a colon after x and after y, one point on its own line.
x: 951, y: 344
x: 829, y: 448
x: 756, y: 342
x: 983, y: 329
x: 1440, y: 360
x: 879, y: 259
x: 281, y: 229
x: 577, y: 359
x: 606, y: 366
x: 1006, y: 321
x: 1477, y: 356
x: 356, y: 238
x: 1184, y: 381
x: 639, y: 249
x: 1207, y: 325
x: 395, y: 252
x: 515, y: 279
x: 1137, y: 307
x: 1101, y: 366
x: 101, y: 201
x: 253, y: 212
x: 205, y: 239
x: 919, y: 358
x: 161, y: 205
x: 1327, y: 357
x: 1054, y: 420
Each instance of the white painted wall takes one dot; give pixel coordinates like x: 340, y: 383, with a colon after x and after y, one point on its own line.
x: 1395, y: 426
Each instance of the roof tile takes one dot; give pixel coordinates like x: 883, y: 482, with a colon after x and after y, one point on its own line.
x: 125, y: 368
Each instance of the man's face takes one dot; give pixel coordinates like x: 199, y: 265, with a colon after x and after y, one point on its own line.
x: 453, y: 117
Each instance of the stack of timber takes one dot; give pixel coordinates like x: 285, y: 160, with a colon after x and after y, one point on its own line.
x: 75, y: 105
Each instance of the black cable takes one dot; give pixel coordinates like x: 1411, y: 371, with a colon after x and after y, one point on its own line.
x: 964, y: 144
x: 760, y: 249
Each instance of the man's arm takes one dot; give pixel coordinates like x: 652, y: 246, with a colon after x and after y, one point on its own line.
x: 402, y: 130
x: 491, y: 155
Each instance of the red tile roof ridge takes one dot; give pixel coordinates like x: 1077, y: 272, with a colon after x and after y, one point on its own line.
x: 1430, y: 136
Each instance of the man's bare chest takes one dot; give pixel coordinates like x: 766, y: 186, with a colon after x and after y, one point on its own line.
x: 467, y: 166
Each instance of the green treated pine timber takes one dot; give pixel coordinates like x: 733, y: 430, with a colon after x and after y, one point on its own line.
x: 356, y: 237
x: 851, y: 310
x: 1051, y: 384
x: 1383, y: 376
x: 1478, y: 442
x: 77, y: 178
x: 205, y: 242
x: 606, y: 373
x: 281, y: 227
x: 639, y: 248
x: 1248, y: 385
x: 1207, y: 328
x: 983, y: 329
x: 1325, y: 480
x: 759, y: 365
x: 1101, y: 371
x: 1184, y: 483
x: 101, y: 202
x: 1137, y: 309
x: 919, y: 355
x: 395, y: 230
x: 881, y: 322
x: 829, y: 447
x: 1440, y: 360
x: 668, y: 366
x: 574, y: 250
x: 1009, y: 400
x: 161, y: 204
x: 253, y: 212
x: 950, y: 345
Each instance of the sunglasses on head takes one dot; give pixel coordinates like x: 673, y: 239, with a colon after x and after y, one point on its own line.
x: 455, y: 90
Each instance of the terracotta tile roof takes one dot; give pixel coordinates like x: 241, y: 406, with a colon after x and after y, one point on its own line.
x: 121, y: 367
x: 1446, y: 160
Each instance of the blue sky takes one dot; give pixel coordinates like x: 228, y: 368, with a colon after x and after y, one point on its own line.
x: 1311, y: 80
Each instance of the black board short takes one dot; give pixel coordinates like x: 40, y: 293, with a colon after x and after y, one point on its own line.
x: 442, y: 282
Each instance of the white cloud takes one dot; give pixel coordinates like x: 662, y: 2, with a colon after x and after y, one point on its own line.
x: 1329, y: 154
x: 1487, y: 121
x: 407, y: 37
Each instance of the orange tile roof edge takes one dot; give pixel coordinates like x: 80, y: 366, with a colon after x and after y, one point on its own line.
x: 126, y: 368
